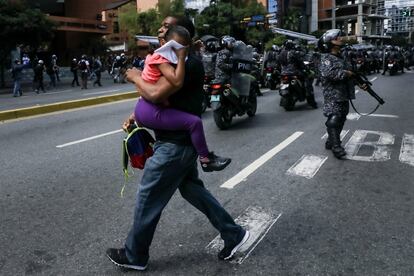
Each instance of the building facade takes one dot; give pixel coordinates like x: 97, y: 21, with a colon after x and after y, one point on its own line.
x: 362, y: 20
x: 78, y: 22
x: 401, y: 18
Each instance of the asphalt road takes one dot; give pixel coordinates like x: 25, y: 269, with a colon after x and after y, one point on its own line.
x: 311, y: 214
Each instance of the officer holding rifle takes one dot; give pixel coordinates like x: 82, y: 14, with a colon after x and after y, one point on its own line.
x: 338, y: 88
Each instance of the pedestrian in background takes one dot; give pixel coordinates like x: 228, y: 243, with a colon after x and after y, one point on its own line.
x: 51, y: 73
x: 17, y: 77
x: 97, y: 68
x: 38, y: 76
x: 55, y: 67
x: 173, y: 166
x: 84, y: 69
x: 74, y: 70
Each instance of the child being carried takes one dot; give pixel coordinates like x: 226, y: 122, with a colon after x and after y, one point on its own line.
x: 163, y: 117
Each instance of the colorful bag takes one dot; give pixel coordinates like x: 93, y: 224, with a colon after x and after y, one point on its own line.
x: 137, y: 147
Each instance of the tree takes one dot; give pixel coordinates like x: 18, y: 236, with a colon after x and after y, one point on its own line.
x: 21, y: 26
x: 142, y: 23
x: 292, y: 20
x: 174, y: 7
x: 223, y: 18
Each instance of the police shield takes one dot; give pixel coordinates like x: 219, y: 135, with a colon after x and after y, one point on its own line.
x: 242, y: 66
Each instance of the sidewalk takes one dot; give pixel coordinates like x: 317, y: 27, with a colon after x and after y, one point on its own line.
x: 63, y: 97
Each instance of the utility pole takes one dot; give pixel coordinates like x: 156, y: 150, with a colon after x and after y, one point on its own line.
x: 333, y: 14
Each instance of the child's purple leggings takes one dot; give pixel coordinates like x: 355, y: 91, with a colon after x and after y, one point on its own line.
x: 166, y: 118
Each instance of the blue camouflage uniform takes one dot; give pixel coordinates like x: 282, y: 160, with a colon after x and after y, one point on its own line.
x: 338, y: 89
x: 224, y: 66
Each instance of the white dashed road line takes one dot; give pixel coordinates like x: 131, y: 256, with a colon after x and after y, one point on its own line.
x: 89, y: 138
x: 242, y: 175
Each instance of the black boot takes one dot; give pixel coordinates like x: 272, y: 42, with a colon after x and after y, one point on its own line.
x: 334, y: 142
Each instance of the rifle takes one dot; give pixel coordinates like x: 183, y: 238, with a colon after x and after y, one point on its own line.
x: 361, y: 80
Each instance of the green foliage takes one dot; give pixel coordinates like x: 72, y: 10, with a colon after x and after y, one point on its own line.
x: 292, y: 20
x: 174, y: 7
x: 277, y: 40
x: 20, y: 25
x: 221, y: 18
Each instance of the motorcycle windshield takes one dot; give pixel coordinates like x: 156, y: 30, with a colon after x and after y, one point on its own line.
x: 242, y: 66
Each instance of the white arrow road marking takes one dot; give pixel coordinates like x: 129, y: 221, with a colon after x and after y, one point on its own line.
x: 242, y: 175
x: 307, y: 166
x: 380, y: 149
x: 258, y: 222
x: 90, y: 138
x: 343, y: 134
x: 407, y: 149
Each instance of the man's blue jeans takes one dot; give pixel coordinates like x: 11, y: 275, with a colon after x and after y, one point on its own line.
x: 172, y: 166
x: 17, y: 90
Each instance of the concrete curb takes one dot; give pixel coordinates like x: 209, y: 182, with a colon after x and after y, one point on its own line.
x: 49, y: 108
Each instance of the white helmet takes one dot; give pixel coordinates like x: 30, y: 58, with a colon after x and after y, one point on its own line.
x: 40, y: 61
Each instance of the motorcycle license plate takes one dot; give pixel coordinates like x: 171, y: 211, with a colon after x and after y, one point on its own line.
x: 268, y: 75
x: 284, y: 86
x: 215, y: 98
x: 390, y: 65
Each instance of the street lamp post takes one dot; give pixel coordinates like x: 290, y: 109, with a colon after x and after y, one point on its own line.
x: 333, y: 14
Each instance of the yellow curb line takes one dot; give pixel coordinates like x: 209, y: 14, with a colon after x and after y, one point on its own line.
x: 49, y: 108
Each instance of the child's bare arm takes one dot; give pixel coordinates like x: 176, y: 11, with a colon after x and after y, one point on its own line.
x: 175, y: 75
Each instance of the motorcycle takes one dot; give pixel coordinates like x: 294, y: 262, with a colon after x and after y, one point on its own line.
x: 360, y: 65
x: 271, y: 78
x: 239, y: 97
x: 207, y: 92
x: 392, y: 66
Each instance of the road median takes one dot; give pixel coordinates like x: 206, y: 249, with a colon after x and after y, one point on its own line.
x: 66, y: 105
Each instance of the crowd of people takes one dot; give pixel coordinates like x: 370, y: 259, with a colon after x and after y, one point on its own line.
x: 83, y: 70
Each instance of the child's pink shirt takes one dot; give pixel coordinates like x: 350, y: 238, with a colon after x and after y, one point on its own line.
x: 151, y: 72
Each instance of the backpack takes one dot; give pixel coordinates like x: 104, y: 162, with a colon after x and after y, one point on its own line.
x: 82, y: 65
x: 137, y: 147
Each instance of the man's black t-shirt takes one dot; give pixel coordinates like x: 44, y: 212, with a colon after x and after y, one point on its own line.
x: 188, y: 99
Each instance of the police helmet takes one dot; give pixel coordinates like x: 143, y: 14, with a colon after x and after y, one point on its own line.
x: 275, y: 48
x: 325, y: 42
x: 227, y: 41
x: 211, y: 46
x: 40, y: 61
x: 289, y: 44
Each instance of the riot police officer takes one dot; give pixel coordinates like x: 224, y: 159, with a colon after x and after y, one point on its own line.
x: 224, y: 63
x: 209, y: 59
x: 338, y: 88
x: 291, y: 60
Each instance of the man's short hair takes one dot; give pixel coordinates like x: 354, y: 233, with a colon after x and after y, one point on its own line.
x: 186, y: 23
